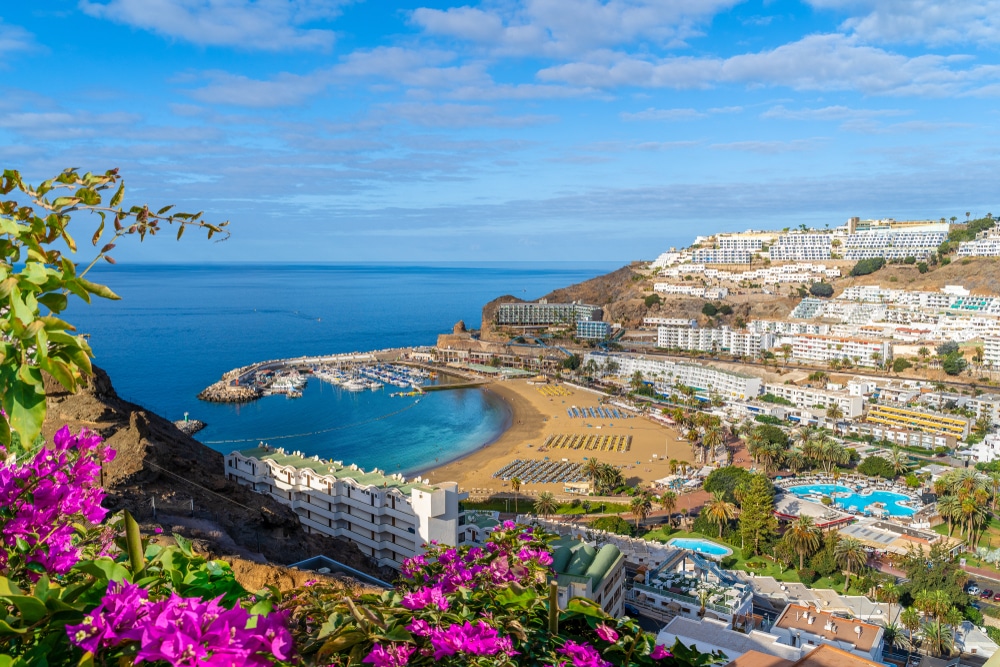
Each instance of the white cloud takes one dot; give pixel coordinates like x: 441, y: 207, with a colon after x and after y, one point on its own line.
x: 663, y: 114
x: 14, y: 38
x: 936, y: 22
x: 829, y: 113
x: 829, y: 62
x: 261, y: 25
x: 768, y: 147
x: 559, y: 28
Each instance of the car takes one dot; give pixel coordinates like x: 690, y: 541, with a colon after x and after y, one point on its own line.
x: 996, y: 598
x: 986, y: 595
x: 972, y: 589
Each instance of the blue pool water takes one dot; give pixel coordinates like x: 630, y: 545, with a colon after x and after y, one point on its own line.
x: 861, y: 501
x: 704, y: 547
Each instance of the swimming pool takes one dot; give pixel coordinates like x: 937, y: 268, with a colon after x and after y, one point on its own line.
x: 859, y: 501
x: 700, y: 546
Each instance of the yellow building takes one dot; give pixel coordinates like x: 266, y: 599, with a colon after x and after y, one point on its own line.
x: 920, y: 420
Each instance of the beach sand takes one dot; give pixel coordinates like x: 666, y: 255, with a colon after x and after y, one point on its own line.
x: 535, y: 417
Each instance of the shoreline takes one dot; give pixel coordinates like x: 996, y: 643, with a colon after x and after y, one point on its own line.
x: 535, y: 416
x: 516, y: 428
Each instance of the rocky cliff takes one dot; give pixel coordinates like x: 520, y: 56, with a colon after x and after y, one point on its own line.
x: 158, y: 465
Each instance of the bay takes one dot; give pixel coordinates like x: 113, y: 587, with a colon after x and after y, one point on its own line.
x: 179, y: 327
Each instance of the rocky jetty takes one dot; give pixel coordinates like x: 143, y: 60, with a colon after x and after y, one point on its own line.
x: 189, y: 426
x: 224, y: 392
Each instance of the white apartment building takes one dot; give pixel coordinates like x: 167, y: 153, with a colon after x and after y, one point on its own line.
x: 594, y: 573
x: 787, y: 328
x: 989, y: 247
x: 808, y: 628
x: 799, y: 272
x: 741, y: 242
x: 666, y: 373
x: 669, y: 322
x: 721, y: 256
x: 801, y: 247
x: 387, y: 517
x: 683, y: 270
x: 721, y: 339
x: 892, y: 244
x: 826, y: 348
x: 691, y: 290
x: 991, y: 351
x: 822, y: 399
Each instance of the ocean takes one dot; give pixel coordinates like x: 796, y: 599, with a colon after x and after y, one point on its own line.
x: 178, y: 328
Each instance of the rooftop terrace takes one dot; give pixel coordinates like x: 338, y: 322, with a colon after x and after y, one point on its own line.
x: 336, y: 469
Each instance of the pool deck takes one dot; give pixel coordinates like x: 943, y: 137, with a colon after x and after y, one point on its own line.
x: 674, y: 543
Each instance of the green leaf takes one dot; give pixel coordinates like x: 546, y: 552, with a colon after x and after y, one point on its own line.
x: 184, y: 545
x: 8, y: 226
x: 104, y: 569
x: 117, y: 198
x: 60, y: 371
x: 8, y: 587
x: 6, y: 629
x: 133, y: 539
x: 86, y: 660
x: 54, y: 301
x: 585, y: 607
x: 34, y: 272
x: 262, y: 608
x: 32, y: 609
x: 99, y: 290
x: 88, y: 196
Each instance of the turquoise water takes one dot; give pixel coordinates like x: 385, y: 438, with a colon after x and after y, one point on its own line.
x: 700, y: 546
x: 178, y: 328
x: 860, y: 501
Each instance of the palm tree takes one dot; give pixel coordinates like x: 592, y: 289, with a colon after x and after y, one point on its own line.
x: 641, y: 505
x: 804, y: 537
x: 712, y: 438
x: 795, y: 461
x: 954, y: 618
x: 834, y: 412
x: 910, y: 620
x: 719, y: 510
x: 515, y: 485
x: 950, y: 507
x: 898, y: 461
x: 592, y: 469
x: 850, y: 553
x: 939, y: 641
x: 892, y: 635
x: 668, y: 501
x: 545, y: 504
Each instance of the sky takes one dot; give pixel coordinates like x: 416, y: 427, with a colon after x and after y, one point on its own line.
x: 506, y: 130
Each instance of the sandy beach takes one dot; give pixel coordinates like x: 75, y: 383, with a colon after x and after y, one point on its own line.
x: 535, y: 416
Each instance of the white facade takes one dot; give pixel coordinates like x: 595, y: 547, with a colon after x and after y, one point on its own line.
x: 991, y: 352
x: 787, y: 328
x: 719, y: 339
x: 892, y: 244
x: 802, y: 247
x: 826, y: 348
x: 666, y: 373
x: 807, y: 397
x: 722, y: 256
x: 691, y: 290
x: 388, y: 518
x: 741, y: 242
x: 669, y: 322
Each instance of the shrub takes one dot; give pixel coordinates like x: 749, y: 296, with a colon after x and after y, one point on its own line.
x: 821, y: 290
x: 900, y: 364
x: 613, y: 524
x: 807, y: 575
x: 709, y: 310
x: 728, y: 563
x: 922, y: 267
x: 910, y: 260
x: 866, y: 266
x: 725, y: 309
x: 837, y: 578
x: 652, y: 300
x: 826, y: 500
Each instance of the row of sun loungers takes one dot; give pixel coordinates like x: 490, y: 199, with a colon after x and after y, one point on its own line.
x: 553, y: 390
x: 542, y: 472
x: 591, y: 442
x: 599, y: 412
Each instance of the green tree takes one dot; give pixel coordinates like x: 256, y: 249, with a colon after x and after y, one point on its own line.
x: 640, y: 507
x: 720, y: 511
x: 876, y: 466
x: 823, y: 290
x: 899, y: 364
x: 850, y: 555
x: 758, y: 525
x: 39, y: 271
x: 709, y: 310
x: 804, y: 537
x: 546, y: 504
x: 652, y: 300
x: 515, y: 486
x: 668, y: 501
x: 726, y: 480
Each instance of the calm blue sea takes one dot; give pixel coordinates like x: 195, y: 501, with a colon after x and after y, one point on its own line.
x: 178, y: 328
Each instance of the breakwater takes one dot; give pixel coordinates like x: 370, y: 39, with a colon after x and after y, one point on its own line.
x: 242, y: 385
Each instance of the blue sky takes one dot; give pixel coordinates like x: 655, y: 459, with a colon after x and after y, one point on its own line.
x: 340, y: 130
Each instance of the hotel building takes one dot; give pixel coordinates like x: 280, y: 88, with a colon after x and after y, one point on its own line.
x: 588, y: 572
x: 809, y: 628
x: 721, y: 339
x: 721, y: 256
x: 593, y: 329
x: 665, y: 373
x: 387, y: 517
x: 860, y: 351
x: 787, y: 328
x: 807, y: 397
x: 544, y: 313
x: 801, y: 247
x: 668, y: 322
x: 892, y: 244
x: 919, y: 420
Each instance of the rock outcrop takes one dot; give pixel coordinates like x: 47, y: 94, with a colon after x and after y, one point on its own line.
x: 157, y: 465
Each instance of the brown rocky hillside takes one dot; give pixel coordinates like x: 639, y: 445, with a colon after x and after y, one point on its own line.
x: 157, y: 462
